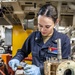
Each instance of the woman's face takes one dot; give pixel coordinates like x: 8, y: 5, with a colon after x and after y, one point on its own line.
x: 45, y: 25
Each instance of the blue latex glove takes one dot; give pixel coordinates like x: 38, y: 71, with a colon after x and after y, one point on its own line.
x: 13, y: 64
x: 32, y: 70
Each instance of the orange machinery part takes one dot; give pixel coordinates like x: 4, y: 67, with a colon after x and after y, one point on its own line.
x: 6, y: 58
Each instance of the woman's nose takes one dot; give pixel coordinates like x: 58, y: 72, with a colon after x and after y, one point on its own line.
x: 43, y: 29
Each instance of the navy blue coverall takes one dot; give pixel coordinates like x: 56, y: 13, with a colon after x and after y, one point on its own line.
x: 40, y: 52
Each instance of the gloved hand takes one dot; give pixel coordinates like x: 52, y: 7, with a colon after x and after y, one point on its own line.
x: 32, y: 70
x: 13, y: 64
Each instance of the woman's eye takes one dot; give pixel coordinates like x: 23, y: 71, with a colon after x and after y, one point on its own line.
x: 40, y: 25
x: 47, y: 26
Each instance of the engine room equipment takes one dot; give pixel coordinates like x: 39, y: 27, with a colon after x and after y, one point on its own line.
x: 59, y: 56
x: 1, y: 51
x: 3, y: 68
x: 65, y: 67
x: 20, y: 70
x: 6, y: 58
x: 59, y: 66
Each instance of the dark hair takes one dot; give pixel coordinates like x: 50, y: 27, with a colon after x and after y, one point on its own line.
x: 49, y: 11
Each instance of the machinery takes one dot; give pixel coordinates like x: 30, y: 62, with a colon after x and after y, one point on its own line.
x: 20, y: 70
x: 3, y: 68
x: 65, y: 67
x: 59, y: 66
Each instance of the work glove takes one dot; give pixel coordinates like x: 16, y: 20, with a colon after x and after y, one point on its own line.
x: 14, y: 63
x: 31, y: 70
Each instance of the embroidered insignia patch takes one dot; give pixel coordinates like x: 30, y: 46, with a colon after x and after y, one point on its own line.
x: 53, y: 50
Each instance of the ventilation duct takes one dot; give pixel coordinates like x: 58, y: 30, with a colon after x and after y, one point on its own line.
x: 28, y: 24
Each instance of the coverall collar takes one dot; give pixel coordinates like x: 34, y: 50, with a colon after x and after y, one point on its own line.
x: 40, y: 42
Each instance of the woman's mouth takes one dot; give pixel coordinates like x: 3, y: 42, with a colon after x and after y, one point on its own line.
x: 43, y: 32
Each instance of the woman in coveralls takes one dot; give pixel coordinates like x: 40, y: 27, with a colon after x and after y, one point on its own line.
x: 42, y: 43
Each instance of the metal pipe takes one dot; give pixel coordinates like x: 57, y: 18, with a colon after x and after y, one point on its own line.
x: 59, y: 56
